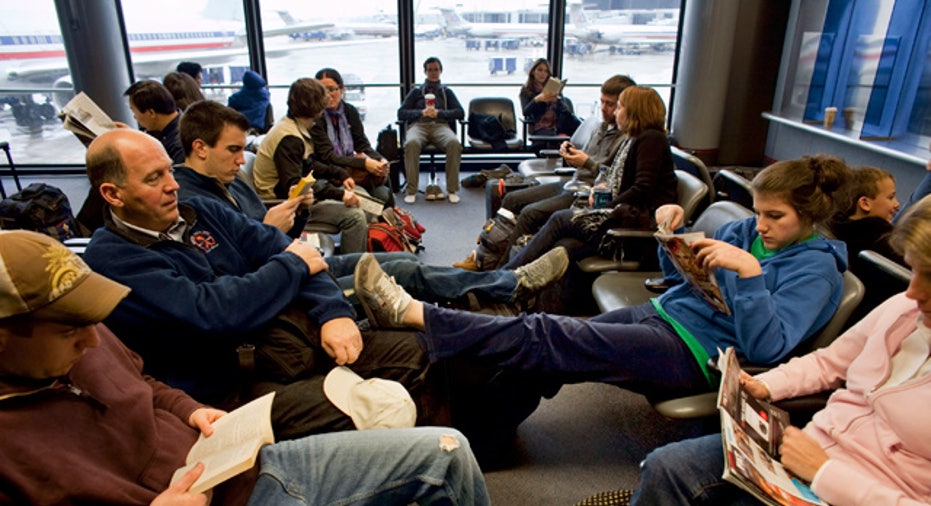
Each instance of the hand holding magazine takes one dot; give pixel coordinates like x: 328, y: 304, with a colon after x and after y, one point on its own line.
x: 234, y: 445
x: 85, y: 118
x: 752, y: 431
x: 678, y: 249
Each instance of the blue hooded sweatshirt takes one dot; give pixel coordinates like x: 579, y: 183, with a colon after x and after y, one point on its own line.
x: 797, y: 294
x: 252, y: 100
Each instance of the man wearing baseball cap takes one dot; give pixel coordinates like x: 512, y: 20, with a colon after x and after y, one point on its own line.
x: 82, y: 425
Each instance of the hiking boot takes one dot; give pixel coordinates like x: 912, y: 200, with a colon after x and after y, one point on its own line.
x: 382, y: 299
x: 542, y: 271
x: 467, y: 264
x: 474, y: 181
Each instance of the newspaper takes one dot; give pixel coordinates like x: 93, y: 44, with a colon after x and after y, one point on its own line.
x: 678, y: 249
x: 751, y: 430
x: 85, y: 118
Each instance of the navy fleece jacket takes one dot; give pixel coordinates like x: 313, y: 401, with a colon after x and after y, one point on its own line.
x: 193, y: 303
x: 796, y: 295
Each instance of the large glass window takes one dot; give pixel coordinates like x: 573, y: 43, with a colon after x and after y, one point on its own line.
x: 32, y: 66
x: 487, y: 47
x: 358, y: 38
x: 639, y: 40
x: 869, y: 60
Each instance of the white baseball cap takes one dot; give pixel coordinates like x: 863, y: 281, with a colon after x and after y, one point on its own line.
x: 373, y: 403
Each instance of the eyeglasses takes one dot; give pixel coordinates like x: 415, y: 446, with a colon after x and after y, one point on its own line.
x: 330, y: 89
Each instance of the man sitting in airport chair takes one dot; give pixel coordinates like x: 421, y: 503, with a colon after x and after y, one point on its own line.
x: 431, y: 122
x: 207, y: 280
x: 528, y: 209
x: 155, y: 110
x: 214, y: 137
x: 83, y: 425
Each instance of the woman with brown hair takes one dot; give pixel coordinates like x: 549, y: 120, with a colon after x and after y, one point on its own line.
x: 548, y: 113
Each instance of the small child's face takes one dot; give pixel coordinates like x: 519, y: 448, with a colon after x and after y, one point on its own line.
x: 885, y: 205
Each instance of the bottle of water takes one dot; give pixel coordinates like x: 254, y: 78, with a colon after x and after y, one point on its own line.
x: 601, y: 190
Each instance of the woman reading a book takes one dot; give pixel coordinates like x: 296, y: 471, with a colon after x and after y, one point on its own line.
x: 781, y: 281
x: 871, y: 444
x: 547, y: 111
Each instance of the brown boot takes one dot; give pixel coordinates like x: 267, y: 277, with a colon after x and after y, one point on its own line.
x: 467, y: 264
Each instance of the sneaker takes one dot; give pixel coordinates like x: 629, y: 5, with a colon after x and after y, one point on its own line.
x: 431, y: 191
x: 467, y: 264
x: 410, y: 199
x: 382, y: 299
x: 453, y: 198
x: 542, y: 271
x: 439, y: 193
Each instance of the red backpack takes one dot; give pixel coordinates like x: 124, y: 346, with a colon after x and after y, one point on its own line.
x: 397, y: 230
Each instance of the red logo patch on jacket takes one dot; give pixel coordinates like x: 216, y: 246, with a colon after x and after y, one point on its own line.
x: 203, y: 240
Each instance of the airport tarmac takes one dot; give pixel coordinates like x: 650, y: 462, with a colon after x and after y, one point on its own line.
x: 375, y: 61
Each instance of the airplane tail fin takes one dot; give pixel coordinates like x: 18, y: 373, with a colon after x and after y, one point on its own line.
x: 287, y: 18
x: 453, y: 19
x: 577, y: 15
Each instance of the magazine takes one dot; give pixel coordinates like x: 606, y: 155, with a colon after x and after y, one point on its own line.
x: 85, y: 118
x: 751, y: 430
x: 677, y: 248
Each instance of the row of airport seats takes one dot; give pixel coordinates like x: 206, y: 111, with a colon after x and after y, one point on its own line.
x: 500, y: 107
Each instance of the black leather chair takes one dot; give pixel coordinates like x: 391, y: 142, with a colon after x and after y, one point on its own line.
x: 693, y: 165
x: 501, y: 108
x: 730, y: 185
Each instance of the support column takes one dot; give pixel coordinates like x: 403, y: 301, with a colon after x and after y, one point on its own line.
x: 99, y: 66
x: 704, y: 67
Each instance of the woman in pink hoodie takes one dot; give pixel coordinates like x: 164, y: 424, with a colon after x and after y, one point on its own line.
x: 871, y: 444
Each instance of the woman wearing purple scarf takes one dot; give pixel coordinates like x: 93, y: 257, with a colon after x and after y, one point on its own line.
x: 339, y: 139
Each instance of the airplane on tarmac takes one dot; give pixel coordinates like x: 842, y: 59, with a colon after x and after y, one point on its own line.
x: 656, y: 36
x: 456, y: 26
x: 33, y: 60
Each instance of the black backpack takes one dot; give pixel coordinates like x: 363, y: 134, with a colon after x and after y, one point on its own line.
x: 41, y: 208
x: 388, y: 147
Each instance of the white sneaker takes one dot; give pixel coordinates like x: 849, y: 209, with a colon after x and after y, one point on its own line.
x: 410, y: 199
x: 453, y: 198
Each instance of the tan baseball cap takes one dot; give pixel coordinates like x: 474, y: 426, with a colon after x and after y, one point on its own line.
x: 39, y: 276
x: 373, y: 403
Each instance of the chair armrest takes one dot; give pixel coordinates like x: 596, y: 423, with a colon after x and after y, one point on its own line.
x: 564, y: 171
x: 547, y: 138
x: 549, y: 153
x: 630, y: 233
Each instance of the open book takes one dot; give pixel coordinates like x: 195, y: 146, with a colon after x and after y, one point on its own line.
x: 370, y: 204
x: 234, y: 445
x: 677, y: 248
x: 752, y: 430
x: 85, y: 118
x: 554, y: 86
x: 303, y: 186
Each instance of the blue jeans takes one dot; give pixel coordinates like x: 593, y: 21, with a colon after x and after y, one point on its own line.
x: 688, y: 472
x: 633, y: 347
x: 428, y: 282
x: 380, y: 466
x: 558, y: 228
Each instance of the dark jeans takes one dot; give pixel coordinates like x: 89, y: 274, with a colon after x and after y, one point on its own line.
x: 534, y: 205
x: 557, y: 230
x: 688, y: 472
x: 633, y: 348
